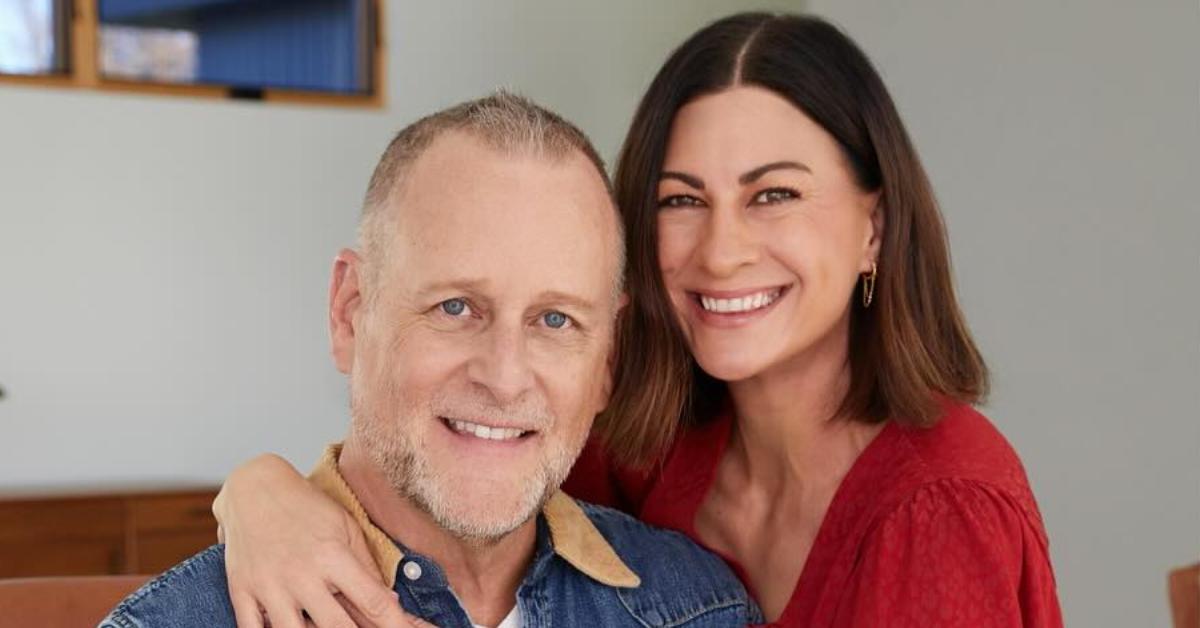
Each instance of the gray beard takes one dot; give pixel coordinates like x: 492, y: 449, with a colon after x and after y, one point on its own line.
x: 395, y: 453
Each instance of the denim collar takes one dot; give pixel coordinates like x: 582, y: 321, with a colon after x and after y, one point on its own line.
x: 573, y: 536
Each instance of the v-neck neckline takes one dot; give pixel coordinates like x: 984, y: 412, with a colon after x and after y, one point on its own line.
x: 689, y: 475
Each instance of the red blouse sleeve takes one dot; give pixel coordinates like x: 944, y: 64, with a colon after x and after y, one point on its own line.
x: 596, y: 478
x: 957, y: 553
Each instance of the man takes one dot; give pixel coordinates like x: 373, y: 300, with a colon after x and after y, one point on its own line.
x: 476, y: 327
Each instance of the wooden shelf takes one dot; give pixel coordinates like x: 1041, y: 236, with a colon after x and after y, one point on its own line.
x: 135, y: 532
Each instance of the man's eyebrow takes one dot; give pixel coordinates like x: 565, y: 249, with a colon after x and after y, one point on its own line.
x: 479, y: 286
x: 473, y: 286
x: 688, y: 179
x: 554, y: 296
x: 753, y: 175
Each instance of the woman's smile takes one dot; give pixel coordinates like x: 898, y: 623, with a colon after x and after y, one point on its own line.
x: 735, y: 308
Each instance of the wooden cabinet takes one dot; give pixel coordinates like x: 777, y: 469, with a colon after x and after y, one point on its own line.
x: 127, y: 532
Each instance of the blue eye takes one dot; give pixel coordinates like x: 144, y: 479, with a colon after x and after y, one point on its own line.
x: 454, y: 307
x: 555, y: 320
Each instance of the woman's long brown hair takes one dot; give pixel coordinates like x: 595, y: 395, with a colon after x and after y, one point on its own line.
x: 908, y: 351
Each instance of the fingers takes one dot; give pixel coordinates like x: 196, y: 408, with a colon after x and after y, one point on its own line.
x: 358, y: 548
x: 282, y: 612
x: 373, y: 603
x: 405, y: 620
x: 324, y: 610
x: 369, y: 604
x: 359, y: 619
x: 246, y: 611
x: 320, y: 610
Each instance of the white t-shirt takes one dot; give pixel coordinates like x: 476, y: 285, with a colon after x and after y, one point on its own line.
x: 512, y: 620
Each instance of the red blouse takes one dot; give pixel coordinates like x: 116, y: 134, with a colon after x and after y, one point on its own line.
x: 930, y: 527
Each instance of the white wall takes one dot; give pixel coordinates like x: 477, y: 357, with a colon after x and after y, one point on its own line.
x: 163, y: 262
x: 1063, y: 139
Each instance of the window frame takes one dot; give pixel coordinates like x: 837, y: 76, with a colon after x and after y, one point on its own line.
x: 83, y: 69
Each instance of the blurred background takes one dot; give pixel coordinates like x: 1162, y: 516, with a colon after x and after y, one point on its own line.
x: 164, y: 257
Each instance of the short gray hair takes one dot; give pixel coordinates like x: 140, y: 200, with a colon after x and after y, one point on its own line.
x: 505, y: 121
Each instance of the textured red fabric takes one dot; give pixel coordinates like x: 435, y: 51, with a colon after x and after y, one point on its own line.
x: 931, y: 527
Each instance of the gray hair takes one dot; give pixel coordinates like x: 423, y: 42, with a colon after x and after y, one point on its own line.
x: 504, y: 121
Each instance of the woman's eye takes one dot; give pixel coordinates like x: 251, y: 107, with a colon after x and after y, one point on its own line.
x: 775, y: 195
x: 679, y: 200
x: 556, y: 320
x: 455, y: 307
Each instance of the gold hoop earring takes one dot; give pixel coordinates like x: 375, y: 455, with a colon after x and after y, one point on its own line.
x: 868, y: 293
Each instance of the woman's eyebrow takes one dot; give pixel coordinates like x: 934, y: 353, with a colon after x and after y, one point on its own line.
x: 753, y: 175
x: 749, y: 177
x: 688, y: 179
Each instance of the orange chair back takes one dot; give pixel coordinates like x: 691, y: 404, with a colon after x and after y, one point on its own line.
x: 66, y: 602
x: 1184, y: 585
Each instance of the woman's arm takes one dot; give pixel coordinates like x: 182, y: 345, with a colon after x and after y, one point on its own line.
x: 290, y: 550
x: 958, y: 553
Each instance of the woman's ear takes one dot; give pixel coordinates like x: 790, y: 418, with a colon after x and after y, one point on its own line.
x: 874, y: 238
x: 345, y: 299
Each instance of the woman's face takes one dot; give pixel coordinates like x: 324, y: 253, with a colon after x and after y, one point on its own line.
x: 762, y: 234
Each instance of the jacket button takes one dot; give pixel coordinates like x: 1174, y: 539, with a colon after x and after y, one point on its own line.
x: 412, y: 570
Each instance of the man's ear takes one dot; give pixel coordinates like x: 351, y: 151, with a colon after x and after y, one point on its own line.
x: 345, y: 301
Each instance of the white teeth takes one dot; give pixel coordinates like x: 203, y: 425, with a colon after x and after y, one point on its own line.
x: 485, y: 432
x: 741, y: 304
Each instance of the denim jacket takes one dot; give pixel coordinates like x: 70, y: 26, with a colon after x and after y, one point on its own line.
x: 592, y: 566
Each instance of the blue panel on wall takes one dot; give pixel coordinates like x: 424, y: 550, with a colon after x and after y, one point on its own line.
x: 138, y: 10
x: 304, y: 45
x: 318, y: 45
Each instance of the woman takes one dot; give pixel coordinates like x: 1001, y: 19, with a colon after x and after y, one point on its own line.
x: 795, y: 364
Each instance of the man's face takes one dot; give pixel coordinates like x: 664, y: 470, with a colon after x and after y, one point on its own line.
x: 482, y: 358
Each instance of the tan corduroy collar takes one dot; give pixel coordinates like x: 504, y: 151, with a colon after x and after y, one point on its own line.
x: 572, y: 534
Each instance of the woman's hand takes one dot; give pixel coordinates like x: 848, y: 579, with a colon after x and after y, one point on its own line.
x: 290, y: 550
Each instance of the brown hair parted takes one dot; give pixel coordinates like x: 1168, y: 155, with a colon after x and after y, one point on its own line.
x: 907, y: 352
x: 505, y: 121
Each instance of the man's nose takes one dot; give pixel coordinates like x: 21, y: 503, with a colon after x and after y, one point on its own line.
x: 728, y: 242
x: 501, y: 364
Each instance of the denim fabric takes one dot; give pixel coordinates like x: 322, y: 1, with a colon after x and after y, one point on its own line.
x: 682, y: 585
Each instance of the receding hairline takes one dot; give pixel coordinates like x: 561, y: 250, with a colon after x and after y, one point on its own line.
x: 392, y: 197
x: 504, y: 122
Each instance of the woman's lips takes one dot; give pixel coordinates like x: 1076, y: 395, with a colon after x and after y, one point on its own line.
x: 735, y: 308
